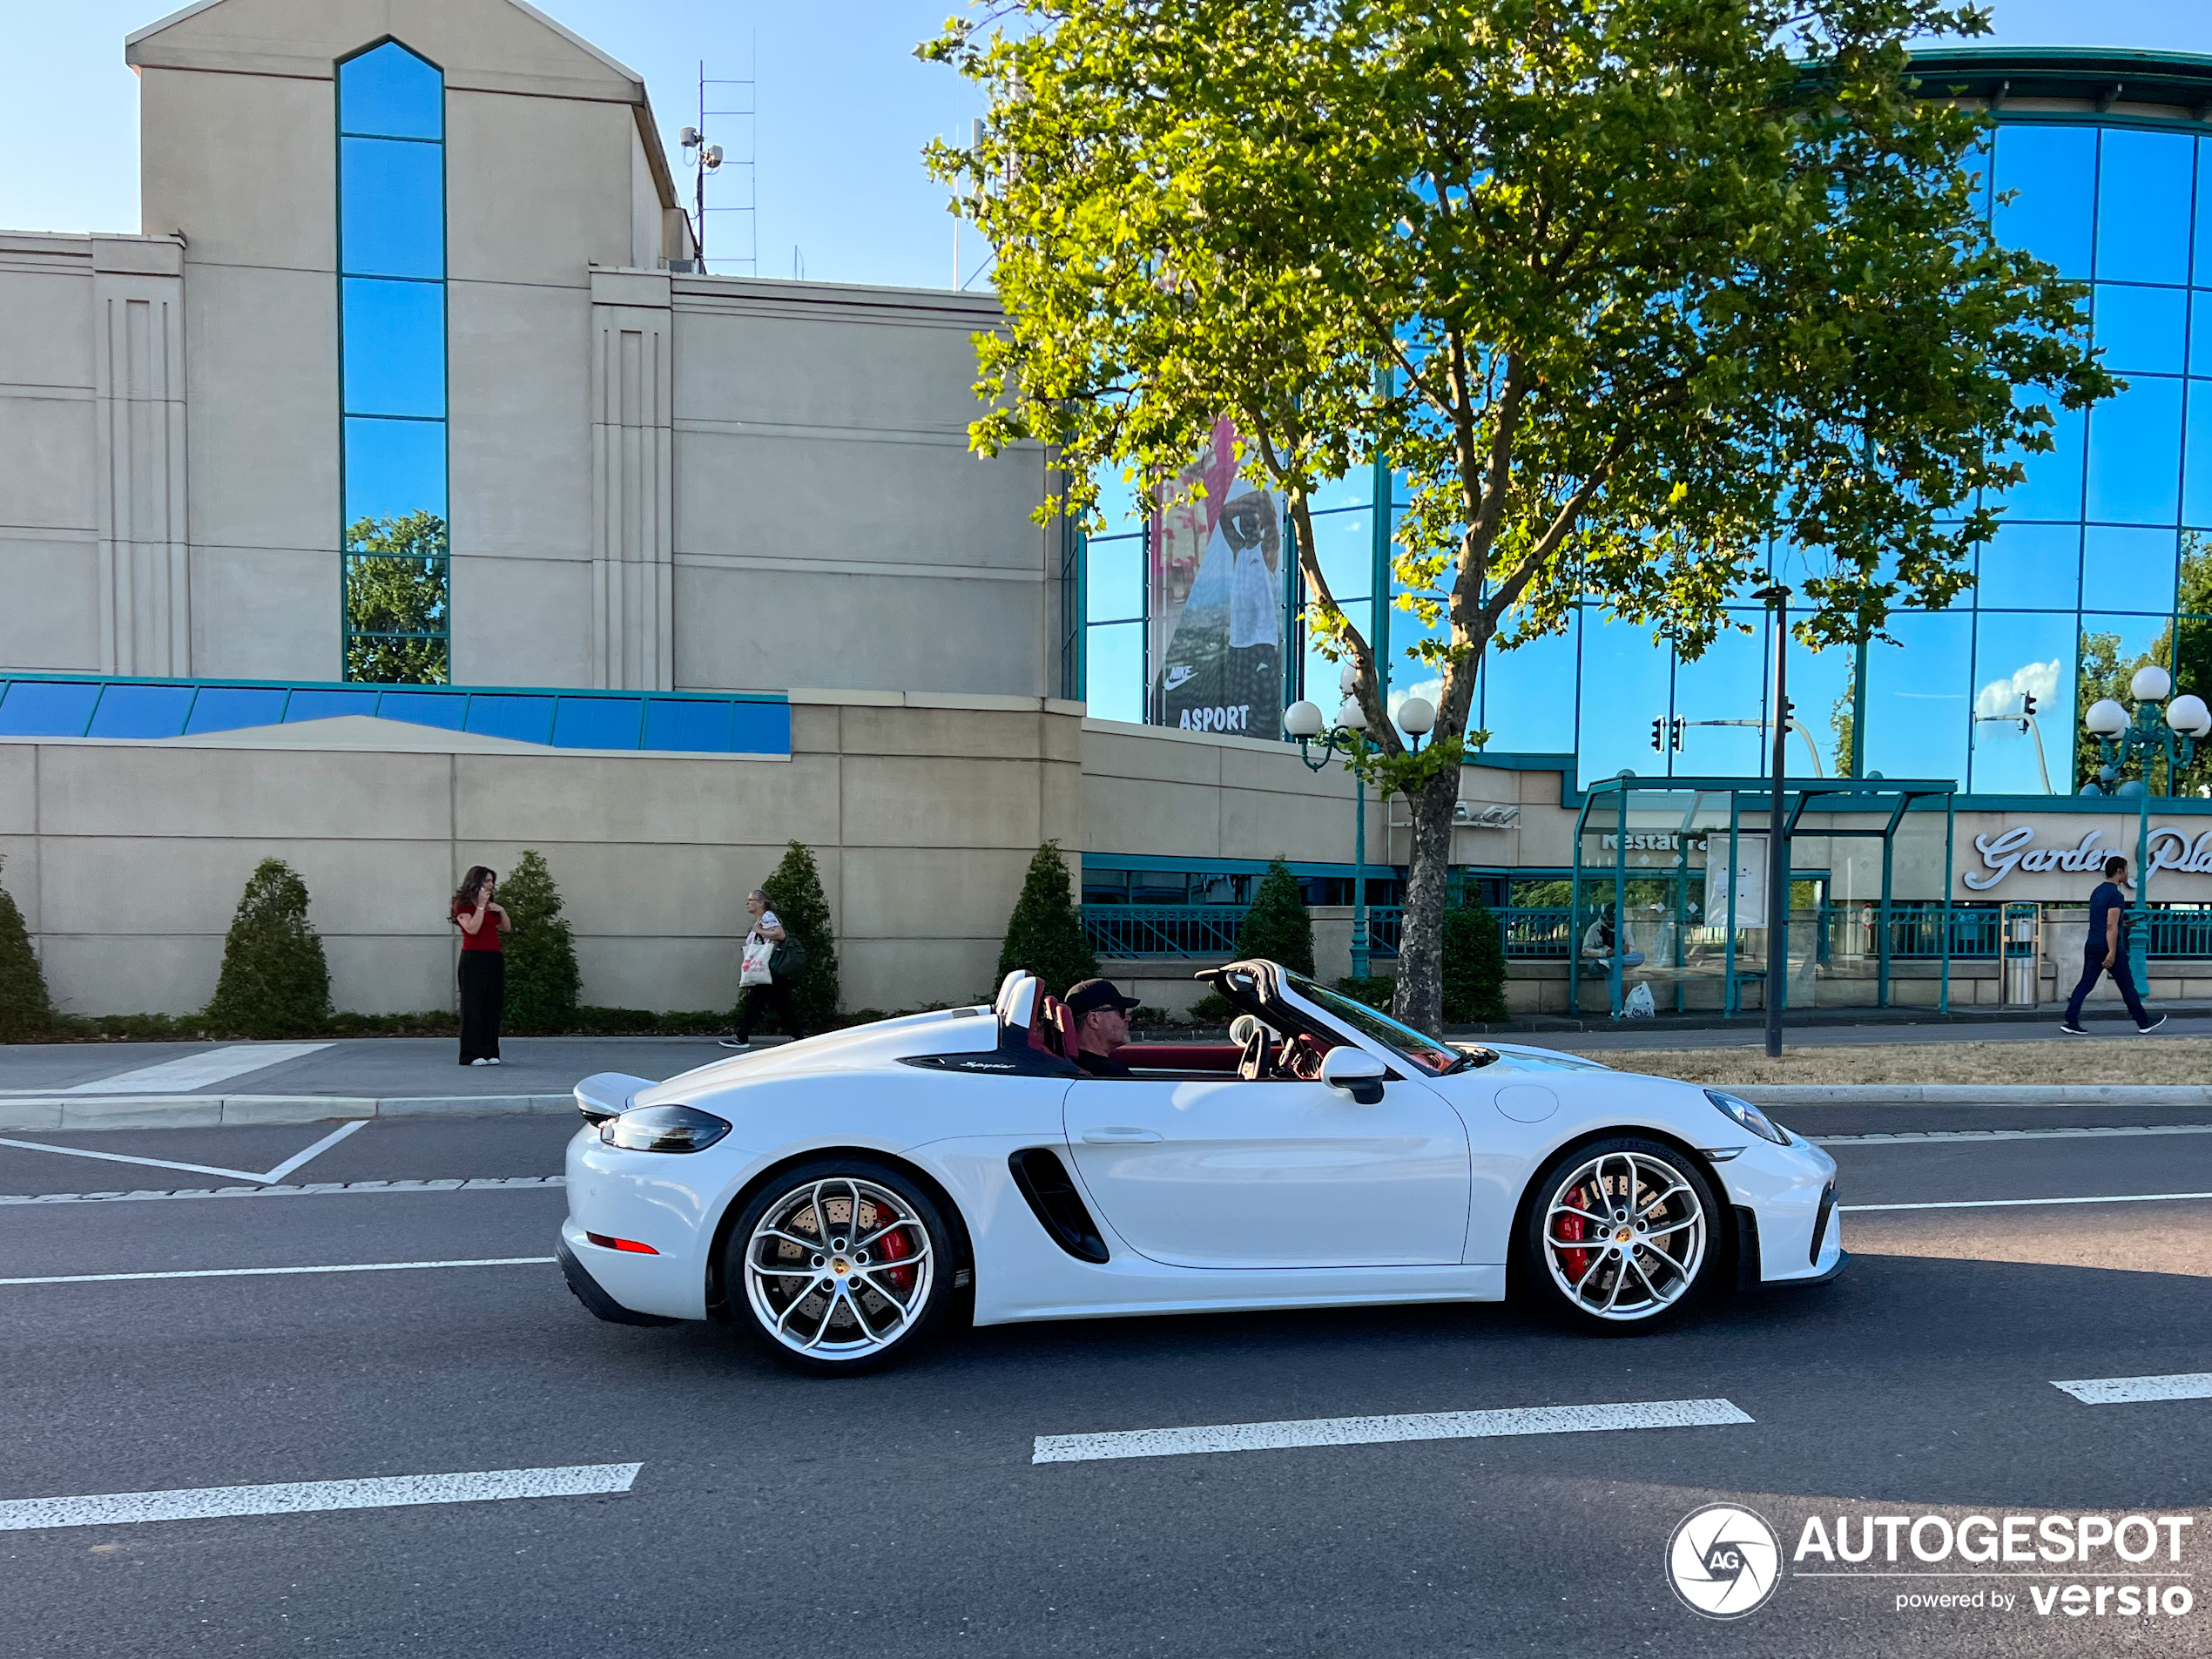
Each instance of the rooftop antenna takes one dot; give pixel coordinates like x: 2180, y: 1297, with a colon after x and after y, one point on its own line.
x: 742, y: 98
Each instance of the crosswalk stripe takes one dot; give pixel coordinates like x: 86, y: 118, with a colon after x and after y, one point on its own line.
x: 2122, y: 1391
x: 309, y: 1497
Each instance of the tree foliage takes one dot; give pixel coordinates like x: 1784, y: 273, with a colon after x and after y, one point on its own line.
x: 274, y: 982
x: 397, y: 603
x: 26, y: 1010
x: 1278, y: 927
x: 1474, y: 966
x: 1045, y: 934
x: 1630, y: 291
x: 543, y: 983
x: 795, y: 894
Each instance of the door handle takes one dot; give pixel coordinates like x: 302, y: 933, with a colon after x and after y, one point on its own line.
x: 1120, y: 1137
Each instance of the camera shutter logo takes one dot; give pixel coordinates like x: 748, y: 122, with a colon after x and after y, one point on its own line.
x: 1724, y: 1561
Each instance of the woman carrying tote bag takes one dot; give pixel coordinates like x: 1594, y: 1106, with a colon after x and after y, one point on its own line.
x: 772, y: 961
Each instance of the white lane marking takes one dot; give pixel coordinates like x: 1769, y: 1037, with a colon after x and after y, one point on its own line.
x: 266, y: 1272
x: 1913, y: 1137
x: 310, y: 1497
x: 118, y: 1157
x: 2118, y: 1391
x: 312, y: 1190
x: 299, y: 1159
x: 2018, y: 1203
x: 181, y: 1076
x: 1377, y: 1431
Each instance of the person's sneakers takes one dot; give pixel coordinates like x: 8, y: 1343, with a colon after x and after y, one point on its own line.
x: 479, y: 1060
x: 493, y: 1061
x: 738, y: 1043
x: 2071, y: 1030
x: 2154, y: 1025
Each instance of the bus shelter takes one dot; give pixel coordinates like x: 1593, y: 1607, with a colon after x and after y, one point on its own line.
x: 1669, y: 891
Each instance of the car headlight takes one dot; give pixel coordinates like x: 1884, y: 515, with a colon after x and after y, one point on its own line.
x: 664, y: 1129
x: 1744, y: 1114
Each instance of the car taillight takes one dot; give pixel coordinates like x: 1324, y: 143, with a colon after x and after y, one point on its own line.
x: 606, y: 1241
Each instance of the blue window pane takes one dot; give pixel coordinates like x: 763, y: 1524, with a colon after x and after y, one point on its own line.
x: 2127, y: 570
x: 2140, y: 329
x: 2135, y: 455
x: 2200, y: 330
x: 48, y: 708
x: 1121, y: 503
x: 391, y: 93
x: 1917, y: 701
x: 327, y: 705
x: 445, y: 709
x: 2052, y: 488
x: 1355, y: 488
x: 1408, y: 676
x: 2031, y: 567
x: 2143, y: 181
x: 2112, y: 648
x: 1528, y: 695
x: 1627, y: 680
x: 526, y: 719
x: 1346, y: 545
x: 2197, y: 484
x: 232, y: 708
x: 1728, y: 684
x: 393, y: 468
x: 396, y: 346
x: 698, y: 727
x: 760, y: 728
x: 1823, y: 698
x: 141, y: 711
x: 2018, y: 751
x: 391, y: 215
x: 1114, y: 579
x: 597, y: 723
x: 2052, y: 170
x: 2204, y: 264
x: 1114, y: 671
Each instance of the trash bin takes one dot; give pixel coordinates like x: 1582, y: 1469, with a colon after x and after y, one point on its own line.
x: 2023, y: 954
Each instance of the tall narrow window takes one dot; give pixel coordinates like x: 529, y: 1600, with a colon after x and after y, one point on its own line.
x: 392, y: 366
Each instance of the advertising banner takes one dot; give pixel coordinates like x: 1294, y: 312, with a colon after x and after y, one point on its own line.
x: 1218, y: 553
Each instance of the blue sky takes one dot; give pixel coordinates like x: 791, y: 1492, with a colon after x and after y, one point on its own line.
x: 844, y: 111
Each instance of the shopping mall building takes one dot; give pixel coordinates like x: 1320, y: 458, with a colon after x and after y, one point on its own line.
x: 404, y: 493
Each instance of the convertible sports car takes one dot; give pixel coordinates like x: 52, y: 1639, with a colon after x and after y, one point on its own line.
x: 842, y: 1196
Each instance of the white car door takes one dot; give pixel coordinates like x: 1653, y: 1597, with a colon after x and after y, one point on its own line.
x: 1220, y: 1172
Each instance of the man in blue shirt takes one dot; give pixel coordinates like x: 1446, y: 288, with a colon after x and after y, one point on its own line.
x: 2106, y: 951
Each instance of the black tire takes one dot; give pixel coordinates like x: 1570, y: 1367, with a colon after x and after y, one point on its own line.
x: 900, y: 1297
x: 1647, y: 1261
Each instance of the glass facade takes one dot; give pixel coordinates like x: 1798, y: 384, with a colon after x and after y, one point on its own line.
x: 2103, y: 563
x: 392, y: 366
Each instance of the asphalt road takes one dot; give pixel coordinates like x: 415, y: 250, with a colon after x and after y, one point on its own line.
x: 901, y: 1514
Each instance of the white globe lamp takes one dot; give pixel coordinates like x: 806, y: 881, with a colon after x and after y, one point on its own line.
x: 2105, y: 718
x: 1352, y: 716
x: 1302, y: 719
x: 1348, y: 678
x: 2188, y: 715
x: 2151, y: 684
x: 1417, y: 716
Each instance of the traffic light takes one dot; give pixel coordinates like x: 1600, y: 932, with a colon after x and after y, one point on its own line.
x: 2027, y: 704
x: 1680, y: 722
x: 1659, y: 734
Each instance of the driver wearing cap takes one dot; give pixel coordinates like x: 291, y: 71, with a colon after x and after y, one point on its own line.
x: 1102, y: 1025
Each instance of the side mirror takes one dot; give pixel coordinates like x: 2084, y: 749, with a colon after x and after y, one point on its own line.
x: 1355, y: 1071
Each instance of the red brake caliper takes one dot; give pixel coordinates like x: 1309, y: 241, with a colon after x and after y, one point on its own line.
x: 1577, y: 1262
x: 896, y: 1246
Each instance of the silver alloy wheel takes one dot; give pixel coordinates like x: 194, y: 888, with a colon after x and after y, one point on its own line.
x: 1624, y: 1236
x: 838, y: 1269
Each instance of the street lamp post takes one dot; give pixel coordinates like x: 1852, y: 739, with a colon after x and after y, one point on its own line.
x: 2152, y: 732
x: 1304, y: 721
x: 1778, y: 850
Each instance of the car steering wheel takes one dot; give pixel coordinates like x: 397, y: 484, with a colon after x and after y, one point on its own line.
x: 1255, y: 1064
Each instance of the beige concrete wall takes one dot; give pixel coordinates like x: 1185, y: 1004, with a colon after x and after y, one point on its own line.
x: 128, y: 859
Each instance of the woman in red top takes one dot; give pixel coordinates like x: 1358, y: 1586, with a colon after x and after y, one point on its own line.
x: 483, y: 969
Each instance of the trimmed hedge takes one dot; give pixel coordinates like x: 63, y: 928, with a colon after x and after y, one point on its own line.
x: 795, y: 894
x: 1045, y: 934
x: 274, y: 982
x: 26, y: 1010
x: 1475, y: 967
x: 1278, y: 927
x: 542, y: 979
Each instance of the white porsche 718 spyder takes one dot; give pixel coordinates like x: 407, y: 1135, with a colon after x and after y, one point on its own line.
x: 843, y: 1195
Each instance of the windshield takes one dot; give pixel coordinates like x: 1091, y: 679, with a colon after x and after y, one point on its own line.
x: 1426, y: 1053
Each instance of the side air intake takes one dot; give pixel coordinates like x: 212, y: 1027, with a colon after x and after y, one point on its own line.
x: 1058, y: 1207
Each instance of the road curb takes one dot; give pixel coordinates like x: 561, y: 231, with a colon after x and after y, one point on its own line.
x: 213, y: 1111
x: 1974, y: 1093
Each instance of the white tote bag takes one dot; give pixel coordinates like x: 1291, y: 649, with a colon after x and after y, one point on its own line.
x: 756, y: 953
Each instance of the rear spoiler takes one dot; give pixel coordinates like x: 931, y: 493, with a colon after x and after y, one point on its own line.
x: 608, y: 1093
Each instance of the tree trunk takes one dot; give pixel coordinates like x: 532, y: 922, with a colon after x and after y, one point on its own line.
x: 1419, y: 1001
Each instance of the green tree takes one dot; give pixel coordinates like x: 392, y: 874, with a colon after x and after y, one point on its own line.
x: 397, y: 603
x: 1045, y: 934
x: 26, y: 1008
x: 274, y: 983
x: 1474, y: 966
x: 543, y: 983
x: 795, y: 894
x: 1625, y: 289
x: 1278, y: 927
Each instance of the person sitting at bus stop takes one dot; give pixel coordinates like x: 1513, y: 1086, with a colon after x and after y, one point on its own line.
x: 1102, y: 1025
x: 2105, y: 951
x: 1598, y: 944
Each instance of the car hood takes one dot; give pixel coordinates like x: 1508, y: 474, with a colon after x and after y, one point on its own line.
x: 1518, y: 1057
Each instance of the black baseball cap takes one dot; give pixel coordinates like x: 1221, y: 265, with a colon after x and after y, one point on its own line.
x: 1092, y: 994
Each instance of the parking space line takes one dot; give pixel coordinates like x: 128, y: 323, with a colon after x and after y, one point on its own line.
x: 2025, y: 1203
x: 119, y: 1157
x: 312, y: 1497
x: 298, y: 1160
x: 2124, y: 1391
x: 276, y: 1272
x: 311, y: 1190
x: 1378, y: 1430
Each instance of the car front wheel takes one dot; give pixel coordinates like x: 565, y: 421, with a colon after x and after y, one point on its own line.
x: 839, y: 1265
x: 1620, y: 1235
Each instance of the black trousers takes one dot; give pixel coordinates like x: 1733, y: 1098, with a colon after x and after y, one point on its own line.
x: 775, y: 994
x: 483, y: 1001
x: 2093, y: 963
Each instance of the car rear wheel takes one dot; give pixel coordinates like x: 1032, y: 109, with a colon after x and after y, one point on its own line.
x: 839, y: 1265
x: 1620, y: 1235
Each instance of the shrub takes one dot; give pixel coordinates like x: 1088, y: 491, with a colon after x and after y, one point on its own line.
x: 795, y: 894
x: 1475, y: 967
x: 274, y: 983
x: 542, y: 979
x: 1376, y: 991
x: 1212, y: 1008
x: 26, y: 1008
x: 1045, y: 935
x: 1278, y: 927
